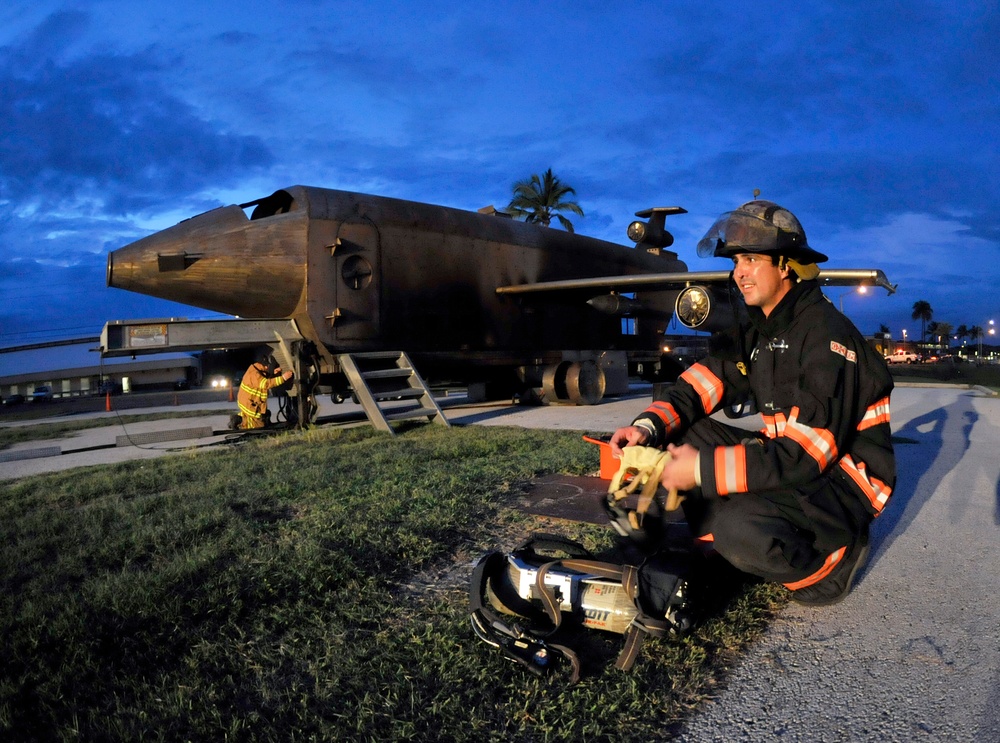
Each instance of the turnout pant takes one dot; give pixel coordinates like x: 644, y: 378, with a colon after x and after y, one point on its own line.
x: 782, y: 535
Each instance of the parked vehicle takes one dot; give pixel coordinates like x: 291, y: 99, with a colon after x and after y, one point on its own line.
x: 41, y: 393
x: 13, y: 400
x: 899, y: 356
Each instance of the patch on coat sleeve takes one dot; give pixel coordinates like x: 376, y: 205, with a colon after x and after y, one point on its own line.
x: 840, y: 348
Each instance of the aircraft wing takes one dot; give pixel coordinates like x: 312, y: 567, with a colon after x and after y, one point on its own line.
x: 652, y: 281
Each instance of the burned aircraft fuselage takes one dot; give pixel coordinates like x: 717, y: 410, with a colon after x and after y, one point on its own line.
x: 359, y: 272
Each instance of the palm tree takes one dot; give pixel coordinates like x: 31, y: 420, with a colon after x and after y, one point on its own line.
x: 538, y: 199
x: 944, y: 333
x: 976, y: 333
x: 961, y: 332
x: 932, y: 330
x: 922, y: 311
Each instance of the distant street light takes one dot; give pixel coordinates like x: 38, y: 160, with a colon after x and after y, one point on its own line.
x: 991, y: 331
x: 859, y: 290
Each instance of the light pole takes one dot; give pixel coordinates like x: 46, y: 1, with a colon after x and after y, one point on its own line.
x: 859, y: 290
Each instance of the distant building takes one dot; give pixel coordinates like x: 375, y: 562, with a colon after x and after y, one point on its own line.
x: 74, y: 368
x: 882, y: 342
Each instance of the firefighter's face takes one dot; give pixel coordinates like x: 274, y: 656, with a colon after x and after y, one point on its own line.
x: 761, y: 282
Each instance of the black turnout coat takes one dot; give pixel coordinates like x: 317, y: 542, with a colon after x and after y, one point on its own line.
x: 824, y: 395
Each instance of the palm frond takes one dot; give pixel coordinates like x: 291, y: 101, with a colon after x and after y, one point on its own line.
x: 538, y: 198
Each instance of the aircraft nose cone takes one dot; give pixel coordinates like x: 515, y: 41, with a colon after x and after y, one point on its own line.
x: 220, y: 261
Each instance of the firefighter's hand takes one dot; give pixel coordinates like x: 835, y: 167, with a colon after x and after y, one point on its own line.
x: 287, y: 375
x: 627, y: 436
x: 679, y: 471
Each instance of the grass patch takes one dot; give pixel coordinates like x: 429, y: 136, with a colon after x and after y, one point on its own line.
x: 276, y: 591
x: 10, y: 435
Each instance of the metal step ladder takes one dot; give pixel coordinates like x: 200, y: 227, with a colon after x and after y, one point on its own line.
x: 382, y: 377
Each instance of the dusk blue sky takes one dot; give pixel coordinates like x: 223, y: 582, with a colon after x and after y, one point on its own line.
x: 874, y: 122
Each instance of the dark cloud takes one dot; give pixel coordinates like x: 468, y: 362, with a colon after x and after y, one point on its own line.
x: 101, y: 126
x: 857, y: 116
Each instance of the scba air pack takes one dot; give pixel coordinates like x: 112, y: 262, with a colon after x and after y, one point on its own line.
x: 520, y: 601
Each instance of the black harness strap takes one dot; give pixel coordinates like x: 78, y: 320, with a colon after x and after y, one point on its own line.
x: 520, y: 645
x: 642, y: 624
x: 529, y: 644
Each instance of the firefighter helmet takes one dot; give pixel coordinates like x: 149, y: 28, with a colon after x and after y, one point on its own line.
x: 269, y: 363
x: 759, y: 227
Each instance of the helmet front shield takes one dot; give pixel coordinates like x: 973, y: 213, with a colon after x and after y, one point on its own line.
x: 739, y: 232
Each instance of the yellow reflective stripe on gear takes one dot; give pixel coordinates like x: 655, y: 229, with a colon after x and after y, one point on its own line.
x: 247, y: 411
x: 706, y: 384
x: 818, y: 443
x: 877, y: 413
x: 874, y: 489
x: 262, y: 394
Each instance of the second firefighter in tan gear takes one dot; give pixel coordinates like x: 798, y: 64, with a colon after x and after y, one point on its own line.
x: 260, y: 378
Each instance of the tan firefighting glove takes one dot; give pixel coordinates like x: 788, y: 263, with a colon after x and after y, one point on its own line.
x: 644, y: 464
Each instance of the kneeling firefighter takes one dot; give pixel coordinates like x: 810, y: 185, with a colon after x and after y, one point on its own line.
x: 791, y: 504
x: 260, y: 378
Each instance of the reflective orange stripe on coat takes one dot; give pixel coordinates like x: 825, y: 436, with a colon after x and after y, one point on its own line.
x: 731, y: 469
x: 874, y: 489
x: 875, y: 414
x: 708, y: 386
x: 818, y: 443
x: 666, y: 413
x: 828, y: 566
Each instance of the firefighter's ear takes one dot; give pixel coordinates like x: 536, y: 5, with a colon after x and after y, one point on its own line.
x: 783, y: 267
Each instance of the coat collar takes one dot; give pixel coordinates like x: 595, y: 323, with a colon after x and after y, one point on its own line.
x: 800, y: 296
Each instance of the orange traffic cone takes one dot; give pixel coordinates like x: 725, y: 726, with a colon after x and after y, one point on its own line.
x: 107, y: 403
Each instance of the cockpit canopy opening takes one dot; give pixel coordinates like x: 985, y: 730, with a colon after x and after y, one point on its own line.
x: 280, y: 202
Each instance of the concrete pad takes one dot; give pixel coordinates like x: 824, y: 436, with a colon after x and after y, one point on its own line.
x: 912, y: 654
x: 46, y: 451
x: 100, y: 445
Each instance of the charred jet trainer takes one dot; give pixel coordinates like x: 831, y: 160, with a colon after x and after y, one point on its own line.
x: 469, y: 297
x: 364, y: 273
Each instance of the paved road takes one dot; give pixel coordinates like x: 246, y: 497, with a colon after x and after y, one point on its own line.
x: 911, y: 655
